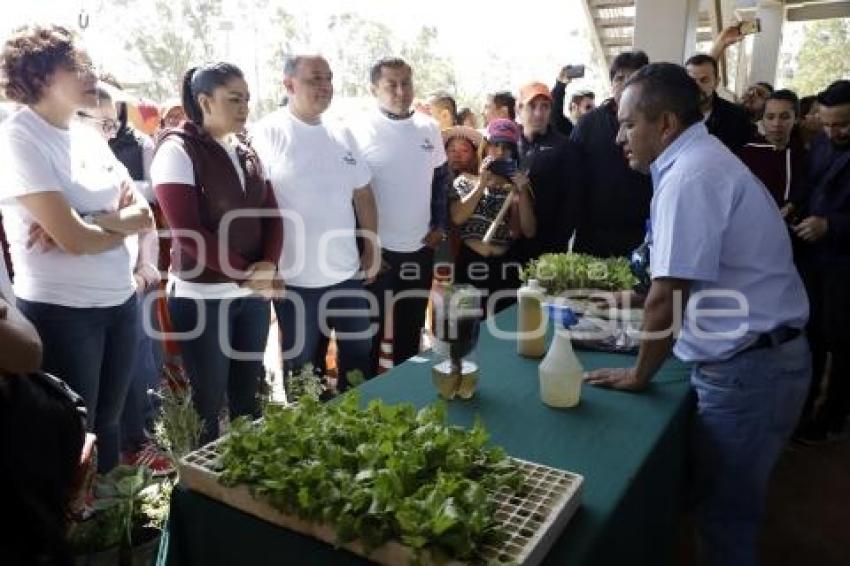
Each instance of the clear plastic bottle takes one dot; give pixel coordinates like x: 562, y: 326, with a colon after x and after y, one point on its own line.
x: 560, y: 371
x: 531, y: 326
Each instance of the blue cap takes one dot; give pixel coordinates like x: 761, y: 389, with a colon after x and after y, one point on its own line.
x: 563, y: 316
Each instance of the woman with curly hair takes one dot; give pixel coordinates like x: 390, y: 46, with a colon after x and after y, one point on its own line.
x: 211, y: 185
x: 70, y: 211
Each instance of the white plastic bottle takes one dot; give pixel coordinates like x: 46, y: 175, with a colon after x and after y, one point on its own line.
x: 560, y: 373
x: 531, y: 326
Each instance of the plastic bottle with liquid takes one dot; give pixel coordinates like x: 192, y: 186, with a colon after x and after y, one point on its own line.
x: 560, y: 371
x: 531, y: 327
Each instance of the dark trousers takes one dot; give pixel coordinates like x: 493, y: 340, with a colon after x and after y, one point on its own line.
x: 402, y: 293
x: 93, y: 350
x: 224, y: 354
x: 140, y: 407
x: 828, y: 287
x: 489, y: 274
x: 301, y: 316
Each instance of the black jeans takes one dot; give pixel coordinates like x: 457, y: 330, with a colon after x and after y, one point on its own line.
x: 223, y: 352
x: 828, y: 287
x: 489, y: 274
x: 402, y: 293
x: 93, y: 350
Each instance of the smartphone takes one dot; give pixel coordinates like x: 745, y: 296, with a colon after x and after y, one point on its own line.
x: 573, y: 71
x: 503, y: 167
x: 748, y: 27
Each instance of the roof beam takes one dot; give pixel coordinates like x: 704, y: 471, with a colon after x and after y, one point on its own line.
x: 818, y: 11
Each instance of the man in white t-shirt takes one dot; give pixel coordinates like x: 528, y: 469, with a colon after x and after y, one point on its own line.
x: 410, y: 180
x: 321, y: 184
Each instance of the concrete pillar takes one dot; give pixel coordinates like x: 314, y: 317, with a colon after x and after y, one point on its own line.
x: 766, y: 44
x: 666, y: 29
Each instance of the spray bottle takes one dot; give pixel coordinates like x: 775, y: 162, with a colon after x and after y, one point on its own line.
x: 560, y: 371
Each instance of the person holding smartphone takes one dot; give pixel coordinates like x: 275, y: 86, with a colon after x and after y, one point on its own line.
x: 491, y: 211
x: 557, y: 118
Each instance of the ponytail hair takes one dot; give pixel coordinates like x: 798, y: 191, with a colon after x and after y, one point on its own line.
x: 204, y: 80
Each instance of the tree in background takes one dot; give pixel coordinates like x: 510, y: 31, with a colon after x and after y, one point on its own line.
x: 176, y: 35
x: 357, y: 43
x: 823, y: 56
x: 430, y: 72
x: 166, y: 37
x: 285, y: 35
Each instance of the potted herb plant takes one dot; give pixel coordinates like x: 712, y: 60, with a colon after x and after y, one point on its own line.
x: 129, y: 510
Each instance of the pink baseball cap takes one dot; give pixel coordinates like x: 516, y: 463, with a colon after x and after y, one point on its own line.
x: 503, y: 130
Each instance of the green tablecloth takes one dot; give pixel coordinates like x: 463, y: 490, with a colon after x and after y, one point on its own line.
x: 629, y: 448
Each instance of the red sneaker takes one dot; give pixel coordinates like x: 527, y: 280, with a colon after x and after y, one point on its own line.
x: 151, y: 456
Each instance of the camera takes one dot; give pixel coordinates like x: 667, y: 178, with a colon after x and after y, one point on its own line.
x: 573, y: 71
x: 748, y: 27
x: 503, y: 167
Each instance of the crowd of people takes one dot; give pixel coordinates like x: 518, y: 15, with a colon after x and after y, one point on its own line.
x: 334, y: 226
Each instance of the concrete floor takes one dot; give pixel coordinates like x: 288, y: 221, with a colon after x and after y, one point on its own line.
x: 808, y: 510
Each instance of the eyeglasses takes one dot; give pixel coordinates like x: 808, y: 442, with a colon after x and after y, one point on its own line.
x: 107, y: 125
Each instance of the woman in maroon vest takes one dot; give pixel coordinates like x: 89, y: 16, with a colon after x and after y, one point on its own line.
x: 227, y: 240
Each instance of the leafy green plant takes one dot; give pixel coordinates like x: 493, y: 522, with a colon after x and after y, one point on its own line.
x: 178, y: 426
x: 154, y: 502
x: 102, y: 531
x: 303, y: 383
x: 121, y: 489
x: 355, y: 377
x: 127, y: 500
x: 375, y: 474
x: 571, y: 271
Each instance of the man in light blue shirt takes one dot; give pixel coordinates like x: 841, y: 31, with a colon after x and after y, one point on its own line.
x: 724, y: 279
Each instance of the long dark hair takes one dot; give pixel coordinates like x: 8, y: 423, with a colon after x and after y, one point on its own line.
x: 204, y: 80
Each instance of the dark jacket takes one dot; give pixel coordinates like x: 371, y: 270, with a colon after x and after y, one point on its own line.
x: 730, y: 123
x: 829, y: 179
x: 616, y: 198
x: 784, y: 173
x: 557, y: 120
x: 128, y: 147
x: 218, y: 191
x: 553, y: 170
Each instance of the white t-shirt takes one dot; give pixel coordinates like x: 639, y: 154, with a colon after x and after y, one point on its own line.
x: 314, y: 170
x: 5, y: 283
x: 171, y: 164
x: 37, y: 157
x: 402, y: 155
x: 6, y: 292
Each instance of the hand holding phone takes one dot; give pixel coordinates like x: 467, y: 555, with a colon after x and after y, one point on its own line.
x: 503, y: 167
x: 748, y: 27
x: 570, y: 72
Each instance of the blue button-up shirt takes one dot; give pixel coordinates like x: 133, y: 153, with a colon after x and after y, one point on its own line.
x: 715, y: 224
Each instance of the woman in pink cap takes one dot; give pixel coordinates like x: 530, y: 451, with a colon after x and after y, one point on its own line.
x: 492, y: 210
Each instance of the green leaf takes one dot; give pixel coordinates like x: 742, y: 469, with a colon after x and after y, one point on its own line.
x: 379, y: 473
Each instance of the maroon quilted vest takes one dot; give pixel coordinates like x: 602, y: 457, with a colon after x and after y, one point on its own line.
x: 219, y: 192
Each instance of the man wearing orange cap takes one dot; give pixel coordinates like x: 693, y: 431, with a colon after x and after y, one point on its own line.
x: 551, y: 162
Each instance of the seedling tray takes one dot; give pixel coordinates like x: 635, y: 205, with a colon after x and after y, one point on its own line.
x: 533, y: 521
